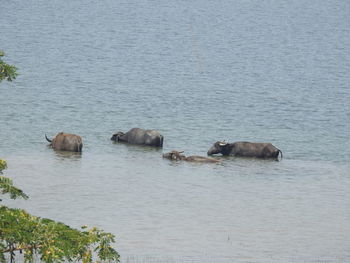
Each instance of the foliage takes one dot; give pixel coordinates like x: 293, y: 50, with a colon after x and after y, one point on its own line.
x: 7, y: 72
x: 3, y: 165
x: 52, y: 241
x: 6, y: 187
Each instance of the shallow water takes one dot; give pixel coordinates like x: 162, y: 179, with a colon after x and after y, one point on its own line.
x: 198, y: 72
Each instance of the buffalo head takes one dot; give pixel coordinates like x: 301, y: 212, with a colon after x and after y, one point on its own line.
x: 116, y: 136
x: 174, y: 155
x: 219, y: 147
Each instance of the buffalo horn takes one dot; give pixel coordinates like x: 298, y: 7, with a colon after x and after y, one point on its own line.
x: 223, y: 143
x: 48, y: 139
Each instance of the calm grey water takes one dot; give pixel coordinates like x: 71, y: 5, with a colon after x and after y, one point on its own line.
x: 198, y: 71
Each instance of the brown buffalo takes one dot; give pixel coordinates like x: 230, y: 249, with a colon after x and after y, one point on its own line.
x: 66, y: 142
x: 177, y: 156
x: 245, y: 149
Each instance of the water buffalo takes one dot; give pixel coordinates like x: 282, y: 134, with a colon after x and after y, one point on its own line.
x: 66, y: 142
x: 177, y: 156
x: 245, y: 149
x: 140, y: 136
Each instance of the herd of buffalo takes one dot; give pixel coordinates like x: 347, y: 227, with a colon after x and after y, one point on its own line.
x: 71, y: 142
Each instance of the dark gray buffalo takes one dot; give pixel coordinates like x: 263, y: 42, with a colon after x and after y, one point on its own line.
x: 177, y: 156
x: 140, y: 136
x: 66, y: 142
x: 245, y: 149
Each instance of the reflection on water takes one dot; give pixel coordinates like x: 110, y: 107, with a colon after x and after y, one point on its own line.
x: 62, y: 155
x: 138, y: 148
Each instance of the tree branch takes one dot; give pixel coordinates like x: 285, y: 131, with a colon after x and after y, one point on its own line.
x: 9, y: 250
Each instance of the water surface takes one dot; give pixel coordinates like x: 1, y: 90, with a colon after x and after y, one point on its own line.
x: 199, y: 71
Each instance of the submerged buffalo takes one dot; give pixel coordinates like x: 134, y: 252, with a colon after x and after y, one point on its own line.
x: 245, y: 149
x: 140, y: 136
x: 177, y: 156
x: 66, y: 142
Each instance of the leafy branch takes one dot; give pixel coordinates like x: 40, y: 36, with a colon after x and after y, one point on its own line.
x: 7, y: 72
x: 6, y: 187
